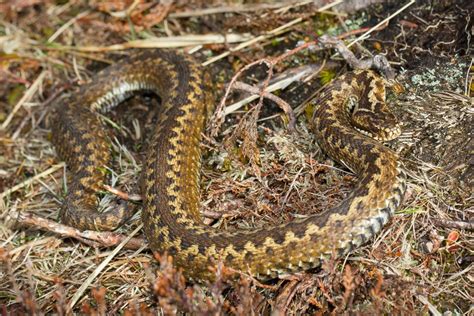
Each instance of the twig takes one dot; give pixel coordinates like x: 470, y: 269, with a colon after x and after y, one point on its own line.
x: 284, y: 297
x: 161, y: 42
x: 125, y: 13
x: 66, y: 25
x: 237, y: 8
x: 43, y: 105
x: 366, y: 34
x: 254, y: 40
x: 378, y: 62
x: 25, y: 98
x: 280, y: 6
x: 219, y: 114
x: 270, y: 34
x: 433, y: 310
x: 288, y: 78
x: 280, y: 102
x: 31, y: 180
x: 292, y: 185
x: 467, y: 84
x: 99, y: 269
x: 123, y: 195
x: 292, y: 5
x: 454, y: 224
x: 88, y: 237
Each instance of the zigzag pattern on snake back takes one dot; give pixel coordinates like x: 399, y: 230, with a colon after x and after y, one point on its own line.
x: 171, y: 218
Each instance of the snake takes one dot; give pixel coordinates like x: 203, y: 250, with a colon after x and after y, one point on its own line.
x: 351, y: 121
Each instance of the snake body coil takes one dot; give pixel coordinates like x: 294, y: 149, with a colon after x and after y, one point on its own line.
x: 170, y: 213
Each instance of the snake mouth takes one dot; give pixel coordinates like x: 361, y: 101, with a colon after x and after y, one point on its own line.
x: 383, y: 135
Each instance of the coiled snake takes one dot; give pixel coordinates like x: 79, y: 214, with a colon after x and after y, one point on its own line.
x: 355, y: 102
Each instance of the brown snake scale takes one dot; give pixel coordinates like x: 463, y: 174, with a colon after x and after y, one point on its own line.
x: 171, y: 218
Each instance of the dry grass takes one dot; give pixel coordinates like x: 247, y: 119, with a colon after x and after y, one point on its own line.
x: 254, y: 173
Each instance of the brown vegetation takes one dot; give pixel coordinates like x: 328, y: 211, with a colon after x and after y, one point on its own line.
x: 255, y: 171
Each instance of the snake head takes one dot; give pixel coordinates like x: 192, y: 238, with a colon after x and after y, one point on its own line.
x: 373, y: 119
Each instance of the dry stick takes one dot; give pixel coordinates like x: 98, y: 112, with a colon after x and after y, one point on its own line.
x: 454, y: 224
x: 25, y: 98
x: 284, y: 297
x: 238, y: 8
x: 292, y: 6
x: 221, y: 111
x: 89, y: 237
x: 67, y: 25
x: 378, y: 62
x: 219, y: 114
x: 161, y: 42
x: 252, y: 41
x: 280, y: 102
x: 43, y: 105
x: 125, y: 13
x: 339, y: 38
x: 467, y: 86
x: 137, y: 198
x: 99, y: 269
x: 366, y: 34
x: 424, y: 300
x: 270, y: 34
x: 123, y: 195
x: 294, y: 75
x: 31, y: 180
